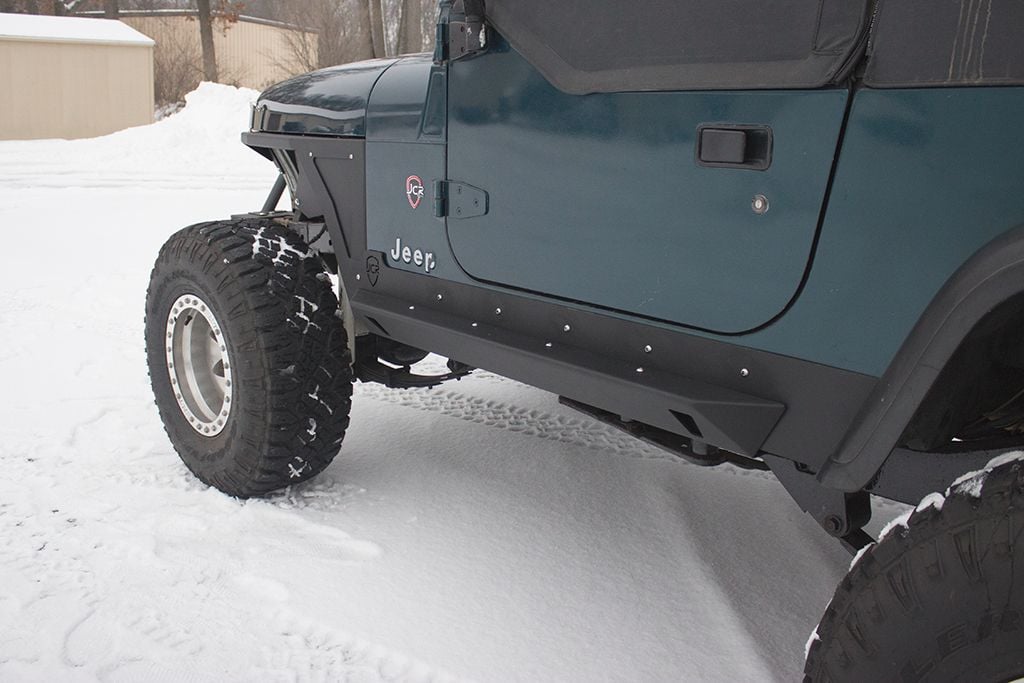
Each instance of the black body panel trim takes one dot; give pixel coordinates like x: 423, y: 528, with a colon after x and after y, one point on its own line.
x: 990, y: 277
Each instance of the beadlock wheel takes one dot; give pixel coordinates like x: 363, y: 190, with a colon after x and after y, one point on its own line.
x: 198, y: 365
x: 248, y: 355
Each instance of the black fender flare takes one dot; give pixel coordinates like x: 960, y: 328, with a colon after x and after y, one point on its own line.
x: 993, y: 275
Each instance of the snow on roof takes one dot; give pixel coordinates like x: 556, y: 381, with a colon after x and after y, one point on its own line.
x: 69, y: 30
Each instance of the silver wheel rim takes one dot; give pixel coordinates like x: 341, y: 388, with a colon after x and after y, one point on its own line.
x: 198, y: 365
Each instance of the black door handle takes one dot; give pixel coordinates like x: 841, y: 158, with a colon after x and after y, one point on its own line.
x: 734, y: 146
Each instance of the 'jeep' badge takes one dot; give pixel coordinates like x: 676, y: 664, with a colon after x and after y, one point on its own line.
x: 414, y: 190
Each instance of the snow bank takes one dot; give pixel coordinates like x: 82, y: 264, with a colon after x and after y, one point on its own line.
x: 195, y: 148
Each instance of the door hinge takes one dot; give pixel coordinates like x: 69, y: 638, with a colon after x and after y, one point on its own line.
x: 458, y: 200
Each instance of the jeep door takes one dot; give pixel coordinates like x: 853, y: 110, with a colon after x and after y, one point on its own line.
x: 695, y: 207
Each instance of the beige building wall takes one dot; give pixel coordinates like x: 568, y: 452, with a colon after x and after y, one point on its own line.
x: 73, y: 90
x: 249, y: 54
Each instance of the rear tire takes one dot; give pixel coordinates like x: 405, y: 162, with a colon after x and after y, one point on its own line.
x: 940, y: 599
x: 260, y: 394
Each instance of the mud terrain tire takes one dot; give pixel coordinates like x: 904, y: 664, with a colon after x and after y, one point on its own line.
x: 939, y: 599
x: 285, y: 397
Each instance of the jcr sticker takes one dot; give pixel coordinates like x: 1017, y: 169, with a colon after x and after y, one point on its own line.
x: 414, y: 190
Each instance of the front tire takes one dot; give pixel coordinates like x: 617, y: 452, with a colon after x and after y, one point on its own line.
x: 940, y: 598
x: 248, y: 356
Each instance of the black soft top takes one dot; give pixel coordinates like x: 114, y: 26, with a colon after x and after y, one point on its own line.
x: 587, y: 46
x: 947, y: 42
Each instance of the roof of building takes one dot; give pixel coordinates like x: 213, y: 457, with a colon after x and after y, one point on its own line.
x: 192, y: 13
x: 69, y: 30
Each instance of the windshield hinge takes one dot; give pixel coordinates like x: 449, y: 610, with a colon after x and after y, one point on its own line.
x: 461, y: 30
x: 458, y: 200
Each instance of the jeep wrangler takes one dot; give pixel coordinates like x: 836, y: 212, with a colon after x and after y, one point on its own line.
x: 782, y: 236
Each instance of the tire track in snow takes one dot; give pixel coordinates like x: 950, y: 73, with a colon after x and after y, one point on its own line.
x: 574, y: 431
x: 160, y: 629
x: 314, y: 653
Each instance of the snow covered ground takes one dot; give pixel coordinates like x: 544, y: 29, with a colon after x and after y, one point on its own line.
x: 477, y: 531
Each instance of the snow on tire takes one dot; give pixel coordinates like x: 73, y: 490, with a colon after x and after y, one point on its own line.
x: 940, y: 597
x: 248, y: 356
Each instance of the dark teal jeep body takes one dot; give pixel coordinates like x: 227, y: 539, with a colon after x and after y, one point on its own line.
x: 777, y: 235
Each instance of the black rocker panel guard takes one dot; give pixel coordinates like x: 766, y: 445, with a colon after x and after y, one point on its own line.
x: 819, y: 402
x: 736, y: 422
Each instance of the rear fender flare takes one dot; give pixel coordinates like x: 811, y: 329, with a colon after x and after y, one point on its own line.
x: 993, y: 275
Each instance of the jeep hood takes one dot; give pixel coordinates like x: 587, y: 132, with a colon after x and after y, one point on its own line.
x: 330, y: 101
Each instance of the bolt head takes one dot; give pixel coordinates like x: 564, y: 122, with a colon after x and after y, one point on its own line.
x: 834, y: 525
x: 744, y: 372
x: 759, y: 204
x: 648, y: 348
x: 567, y: 328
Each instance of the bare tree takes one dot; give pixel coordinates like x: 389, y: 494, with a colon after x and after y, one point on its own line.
x: 362, y: 35
x: 111, y: 9
x: 410, y: 32
x: 177, y: 66
x: 416, y: 25
x: 206, y: 40
x: 344, y: 32
x: 351, y: 30
x: 380, y: 48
